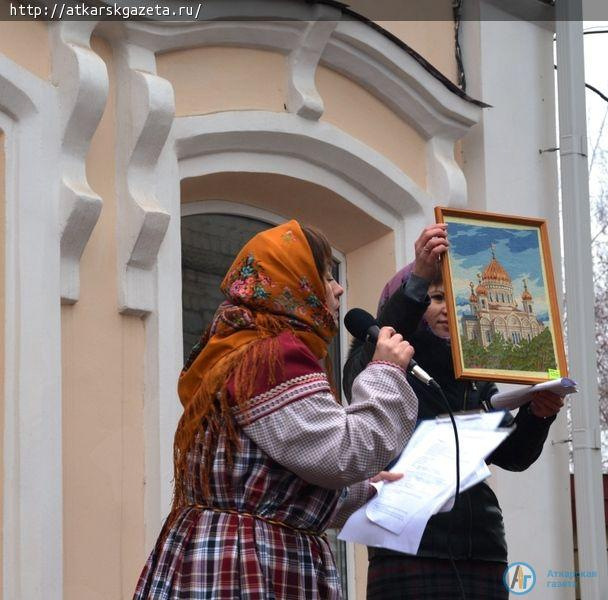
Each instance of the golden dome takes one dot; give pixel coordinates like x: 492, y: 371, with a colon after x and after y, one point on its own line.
x: 496, y: 272
x: 526, y: 295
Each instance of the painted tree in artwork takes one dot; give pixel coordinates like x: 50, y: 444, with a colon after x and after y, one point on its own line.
x: 529, y: 355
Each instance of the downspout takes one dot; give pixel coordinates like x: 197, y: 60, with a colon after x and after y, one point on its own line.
x: 590, y: 523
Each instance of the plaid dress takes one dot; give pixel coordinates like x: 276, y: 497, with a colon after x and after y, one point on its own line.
x: 261, y: 536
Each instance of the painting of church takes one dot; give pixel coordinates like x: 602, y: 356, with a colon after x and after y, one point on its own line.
x: 494, y: 309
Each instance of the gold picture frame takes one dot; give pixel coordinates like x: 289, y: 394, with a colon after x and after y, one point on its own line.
x: 500, y: 294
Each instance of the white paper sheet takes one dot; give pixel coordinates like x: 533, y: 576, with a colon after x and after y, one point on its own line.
x: 515, y: 398
x: 397, y: 516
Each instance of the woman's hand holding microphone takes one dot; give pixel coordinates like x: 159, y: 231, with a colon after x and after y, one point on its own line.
x: 392, y: 348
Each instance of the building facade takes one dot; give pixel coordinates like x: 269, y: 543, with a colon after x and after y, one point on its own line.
x: 136, y: 156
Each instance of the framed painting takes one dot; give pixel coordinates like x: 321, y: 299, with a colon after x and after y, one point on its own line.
x: 500, y: 294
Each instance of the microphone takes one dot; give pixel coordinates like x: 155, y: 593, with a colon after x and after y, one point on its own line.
x: 364, y: 327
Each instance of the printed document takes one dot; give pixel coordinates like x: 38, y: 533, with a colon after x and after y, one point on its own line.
x: 397, y: 516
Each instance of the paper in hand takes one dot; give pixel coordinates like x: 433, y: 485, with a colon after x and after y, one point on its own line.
x: 396, y: 518
x: 515, y: 398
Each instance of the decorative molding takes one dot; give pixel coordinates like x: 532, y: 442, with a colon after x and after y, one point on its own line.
x: 15, y: 101
x: 226, y: 207
x: 82, y: 81
x: 164, y: 356
x: 273, y: 35
x: 145, y: 109
x: 32, y: 536
x: 402, y: 83
x: 303, y: 98
x: 351, y: 48
x: 259, y: 141
x: 391, y: 74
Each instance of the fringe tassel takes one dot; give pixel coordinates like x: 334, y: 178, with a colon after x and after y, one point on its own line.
x: 209, y: 413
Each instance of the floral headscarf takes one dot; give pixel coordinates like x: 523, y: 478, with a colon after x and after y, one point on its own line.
x: 275, y: 273
x: 272, y: 286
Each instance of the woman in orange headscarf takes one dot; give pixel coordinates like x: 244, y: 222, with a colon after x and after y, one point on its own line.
x: 265, y: 456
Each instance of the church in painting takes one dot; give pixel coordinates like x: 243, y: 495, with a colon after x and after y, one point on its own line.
x: 494, y: 310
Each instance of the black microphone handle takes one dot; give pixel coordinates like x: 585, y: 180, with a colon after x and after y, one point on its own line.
x: 372, y: 334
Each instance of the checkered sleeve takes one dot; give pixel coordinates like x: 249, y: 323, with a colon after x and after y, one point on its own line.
x: 352, y: 497
x: 330, y: 445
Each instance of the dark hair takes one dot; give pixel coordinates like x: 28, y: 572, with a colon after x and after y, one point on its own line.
x: 320, y: 248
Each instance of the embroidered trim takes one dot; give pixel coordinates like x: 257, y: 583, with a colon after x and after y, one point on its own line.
x: 388, y: 363
x: 280, y: 396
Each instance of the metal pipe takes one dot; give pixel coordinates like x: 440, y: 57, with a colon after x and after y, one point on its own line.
x: 576, y: 223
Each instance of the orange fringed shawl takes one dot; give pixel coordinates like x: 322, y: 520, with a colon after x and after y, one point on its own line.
x: 272, y: 286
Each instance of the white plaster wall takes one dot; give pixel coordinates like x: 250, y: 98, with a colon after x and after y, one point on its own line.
x: 509, y: 64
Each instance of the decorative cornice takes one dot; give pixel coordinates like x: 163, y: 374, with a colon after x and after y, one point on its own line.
x: 402, y: 83
x: 145, y: 109
x: 275, y: 35
x: 352, y: 48
x: 391, y: 74
x: 82, y: 83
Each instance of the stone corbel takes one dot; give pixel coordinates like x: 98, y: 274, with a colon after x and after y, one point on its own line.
x: 446, y: 180
x: 145, y: 109
x: 82, y: 83
x: 303, y: 98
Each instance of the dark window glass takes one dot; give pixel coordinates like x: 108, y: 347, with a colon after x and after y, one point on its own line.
x: 209, y: 245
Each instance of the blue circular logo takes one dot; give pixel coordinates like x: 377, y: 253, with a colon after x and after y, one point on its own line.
x: 519, y: 578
